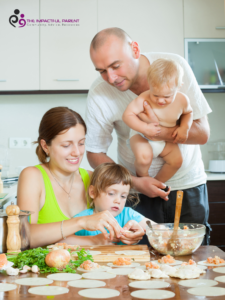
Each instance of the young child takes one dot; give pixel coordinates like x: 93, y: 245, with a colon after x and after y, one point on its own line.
x: 109, y: 190
x: 168, y: 108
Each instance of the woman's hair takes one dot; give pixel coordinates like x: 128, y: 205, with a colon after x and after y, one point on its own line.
x: 108, y: 174
x: 55, y: 121
x: 162, y: 71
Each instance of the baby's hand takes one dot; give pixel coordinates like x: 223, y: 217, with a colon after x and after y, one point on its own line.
x: 180, y: 135
x: 152, y: 129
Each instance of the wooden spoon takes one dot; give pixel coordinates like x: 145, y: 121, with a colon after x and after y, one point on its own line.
x: 174, y: 242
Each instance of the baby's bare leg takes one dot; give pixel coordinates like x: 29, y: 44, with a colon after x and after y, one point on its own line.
x: 143, y: 154
x: 173, y: 161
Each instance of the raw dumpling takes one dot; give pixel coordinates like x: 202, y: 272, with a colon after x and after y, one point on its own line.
x: 139, y: 274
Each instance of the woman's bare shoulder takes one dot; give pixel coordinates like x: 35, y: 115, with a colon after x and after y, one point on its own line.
x: 31, y: 174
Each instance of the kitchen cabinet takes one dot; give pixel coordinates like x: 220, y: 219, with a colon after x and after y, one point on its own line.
x: 19, y: 50
x: 204, y: 19
x: 155, y: 25
x: 64, y: 44
x: 216, y: 194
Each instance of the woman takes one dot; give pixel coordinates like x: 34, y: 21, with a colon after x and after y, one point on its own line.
x: 56, y: 189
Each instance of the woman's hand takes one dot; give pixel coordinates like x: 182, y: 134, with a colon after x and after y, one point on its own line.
x: 134, y: 236
x: 102, y: 221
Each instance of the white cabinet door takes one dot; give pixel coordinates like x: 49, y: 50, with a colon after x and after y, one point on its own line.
x: 64, y: 46
x: 19, y: 45
x: 155, y: 25
x: 204, y: 18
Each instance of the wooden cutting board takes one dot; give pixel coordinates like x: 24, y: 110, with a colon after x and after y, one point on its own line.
x: 108, y: 252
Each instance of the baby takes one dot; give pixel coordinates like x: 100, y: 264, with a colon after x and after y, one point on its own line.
x: 109, y: 190
x: 169, y: 107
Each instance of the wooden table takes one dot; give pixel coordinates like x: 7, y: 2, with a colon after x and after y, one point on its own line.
x: 120, y: 283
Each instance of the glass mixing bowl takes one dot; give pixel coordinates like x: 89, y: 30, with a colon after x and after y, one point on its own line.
x: 190, y: 237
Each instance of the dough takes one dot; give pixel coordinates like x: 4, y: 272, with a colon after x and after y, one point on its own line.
x: 185, y: 274
x: 177, y: 262
x: 219, y: 270
x: 33, y: 281
x: 120, y: 271
x: 207, y: 291
x: 99, y: 293
x: 98, y: 275
x: 149, y: 284
x: 102, y: 269
x: 86, y: 284
x: 139, y: 274
x: 64, y: 276
x: 157, y: 273
x: 197, y: 282
x: 220, y: 278
x: 192, y: 268
x: 5, y: 287
x: 204, y: 263
x: 131, y: 252
x: 132, y: 265
x: 48, y: 290
x: 152, y: 294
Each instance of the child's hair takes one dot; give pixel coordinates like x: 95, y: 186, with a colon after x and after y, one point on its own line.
x: 162, y: 71
x: 108, y: 174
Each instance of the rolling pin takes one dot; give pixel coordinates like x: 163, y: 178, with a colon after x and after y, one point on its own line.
x: 13, y: 241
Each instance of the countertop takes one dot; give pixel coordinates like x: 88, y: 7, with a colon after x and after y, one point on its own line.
x: 215, y: 176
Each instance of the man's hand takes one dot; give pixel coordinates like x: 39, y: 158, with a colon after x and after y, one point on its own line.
x: 180, y: 135
x: 134, y: 236
x: 150, y: 187
x: 152, y: 129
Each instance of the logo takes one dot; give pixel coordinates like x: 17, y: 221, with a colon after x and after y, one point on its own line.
x: 13, y: 19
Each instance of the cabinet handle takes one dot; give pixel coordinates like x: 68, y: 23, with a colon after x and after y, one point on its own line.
x: 67, y: 79
x: 223, y: 27
x: 2, y: 80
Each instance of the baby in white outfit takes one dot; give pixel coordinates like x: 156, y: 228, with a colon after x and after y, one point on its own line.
x: 168, y: 108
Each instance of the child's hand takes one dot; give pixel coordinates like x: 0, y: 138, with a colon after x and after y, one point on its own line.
x: 180, y: 135
x: 152, y: 129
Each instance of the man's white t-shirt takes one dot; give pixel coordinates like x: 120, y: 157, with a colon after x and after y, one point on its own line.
x: 105, y: 107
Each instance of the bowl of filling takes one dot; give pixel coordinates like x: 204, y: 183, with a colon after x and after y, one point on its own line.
x: 187, y: 240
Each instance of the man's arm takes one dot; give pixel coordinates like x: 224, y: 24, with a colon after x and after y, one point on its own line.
x: 198, y: 134
x: 146, y: 185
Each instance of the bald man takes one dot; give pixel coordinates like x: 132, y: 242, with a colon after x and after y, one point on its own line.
x: 123, y: 71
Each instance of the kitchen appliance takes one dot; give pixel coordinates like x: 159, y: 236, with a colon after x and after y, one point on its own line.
x: 206, y: 58
x: 217, y: 155
x: 24, y: 230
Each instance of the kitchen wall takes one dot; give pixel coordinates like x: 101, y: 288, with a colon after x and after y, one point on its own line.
x: 21, y: 115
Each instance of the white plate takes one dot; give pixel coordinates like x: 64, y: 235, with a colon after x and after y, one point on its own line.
x: 207, y: 291
x: 204, y: 263
x: 99, y: 293
x: 133, y: 265
x: 48, y: 290
x: 86, y: 284
x: 98, y: 275
x: 152, y: 294
x: 197, y: 282
x: 219, y: 270
x: 64, y: 276
x: 220, y: 278
x: 131, y: 252
x: 153, y: 284
x: 33, y: 281
x: 5, y: 287
x: 177, y: 262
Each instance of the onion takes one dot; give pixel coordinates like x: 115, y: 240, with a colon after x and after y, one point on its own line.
x: 57, y: 258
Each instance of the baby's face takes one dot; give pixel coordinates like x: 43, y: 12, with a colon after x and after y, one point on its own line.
x: 163, y: 96
x: 112, y: 199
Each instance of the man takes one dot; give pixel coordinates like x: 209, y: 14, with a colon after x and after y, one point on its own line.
x: 123, y: 71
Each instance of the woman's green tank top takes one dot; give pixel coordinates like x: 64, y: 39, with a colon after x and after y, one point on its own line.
x: 51, y: 211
